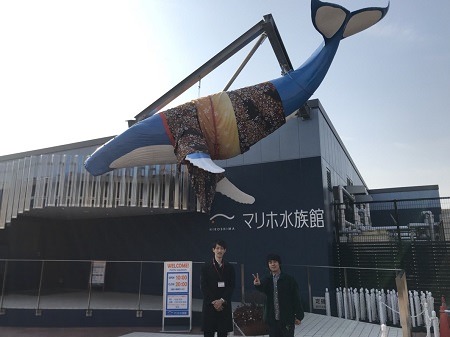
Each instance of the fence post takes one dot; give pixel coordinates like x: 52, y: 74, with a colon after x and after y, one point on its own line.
x: 2, y: 310
x: 242, y: 284
x: 402, y: 288
x: 398, y: 223
x: 38, y: 309
x: 309, y: 289
x: 345, y: 278
x: 327, y: 302
x: 138, y: 310
x: 89, y: 310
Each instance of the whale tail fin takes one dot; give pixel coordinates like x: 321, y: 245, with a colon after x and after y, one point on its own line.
x: 329, y: 19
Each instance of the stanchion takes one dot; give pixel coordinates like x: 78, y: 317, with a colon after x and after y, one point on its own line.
x: 444, y: 327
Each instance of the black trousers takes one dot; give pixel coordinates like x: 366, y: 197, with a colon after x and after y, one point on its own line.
x: 277, y: 329
x: 211, y: 334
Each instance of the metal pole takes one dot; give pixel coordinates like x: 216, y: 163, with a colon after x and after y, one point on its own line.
x: 242, y: 284
x: 88, y: 310
x: 139, y: 311
x: 267, y: 25
x: 309, y: 289
x: 396, y: 220
x: 38, y: 311
x: 201, y: 72
x: 2, y: 310
x: 345, y: 278
x: 249, y: 56
x: 405, y: 318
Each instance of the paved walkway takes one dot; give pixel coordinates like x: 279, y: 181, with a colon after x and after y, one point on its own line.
x: 316, y: 326
x: 313, y: 325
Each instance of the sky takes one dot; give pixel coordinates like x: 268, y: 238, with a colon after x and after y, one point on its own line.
x: 72, y: 71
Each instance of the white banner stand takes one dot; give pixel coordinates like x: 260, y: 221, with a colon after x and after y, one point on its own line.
x: 177, y: 297
x: 98, y: 269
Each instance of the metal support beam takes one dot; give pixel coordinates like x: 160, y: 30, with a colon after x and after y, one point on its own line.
x: 266, y: 25
x: 277, y: 44
x: 244, y: 63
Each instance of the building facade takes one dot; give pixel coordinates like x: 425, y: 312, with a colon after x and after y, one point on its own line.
x: 52, y: 209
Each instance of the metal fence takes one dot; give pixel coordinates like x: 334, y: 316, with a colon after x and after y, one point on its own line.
x: 426, y: 219
x: 138, y: 285
x: 413, y: 235
x: 74, y: 284
x: 38, y: 281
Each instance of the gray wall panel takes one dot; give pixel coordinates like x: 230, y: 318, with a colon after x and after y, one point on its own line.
x: 289, y: 143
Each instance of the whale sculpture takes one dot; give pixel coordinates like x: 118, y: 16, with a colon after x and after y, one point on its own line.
x: 226, y: 124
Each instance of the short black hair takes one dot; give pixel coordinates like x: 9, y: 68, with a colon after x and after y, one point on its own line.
x: 221, y: 243
x: 273, y: 257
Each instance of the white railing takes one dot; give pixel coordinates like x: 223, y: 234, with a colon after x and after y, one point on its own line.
x: 382, y: 306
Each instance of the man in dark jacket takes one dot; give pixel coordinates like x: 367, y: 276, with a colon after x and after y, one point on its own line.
x: 283, y: 308
x: 217, y: 283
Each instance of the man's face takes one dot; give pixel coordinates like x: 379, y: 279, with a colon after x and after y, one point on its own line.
x: 274, y: 266
x: 219, y: 251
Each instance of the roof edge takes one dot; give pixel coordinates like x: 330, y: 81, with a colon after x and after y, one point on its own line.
x: 58, y: 148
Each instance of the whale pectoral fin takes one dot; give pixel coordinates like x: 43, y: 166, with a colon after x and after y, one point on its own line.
x: 204, y: 161
x: 228, y: 189
x: 363, y: 19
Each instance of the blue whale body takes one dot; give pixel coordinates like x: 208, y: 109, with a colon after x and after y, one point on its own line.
x: 222, y: 126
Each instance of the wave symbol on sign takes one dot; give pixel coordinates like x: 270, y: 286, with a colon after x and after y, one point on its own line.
x: 222, y: 215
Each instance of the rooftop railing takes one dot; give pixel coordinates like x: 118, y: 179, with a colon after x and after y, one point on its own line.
x: 91, y: 285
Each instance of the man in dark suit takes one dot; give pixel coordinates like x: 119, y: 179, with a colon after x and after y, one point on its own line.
x: 217, y: 284
x: 283, y: 308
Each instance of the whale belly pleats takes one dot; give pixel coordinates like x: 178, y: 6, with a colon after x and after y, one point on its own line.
x: 218, y: 123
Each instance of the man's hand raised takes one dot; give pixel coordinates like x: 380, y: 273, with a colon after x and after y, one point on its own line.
x: 256, y: 280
